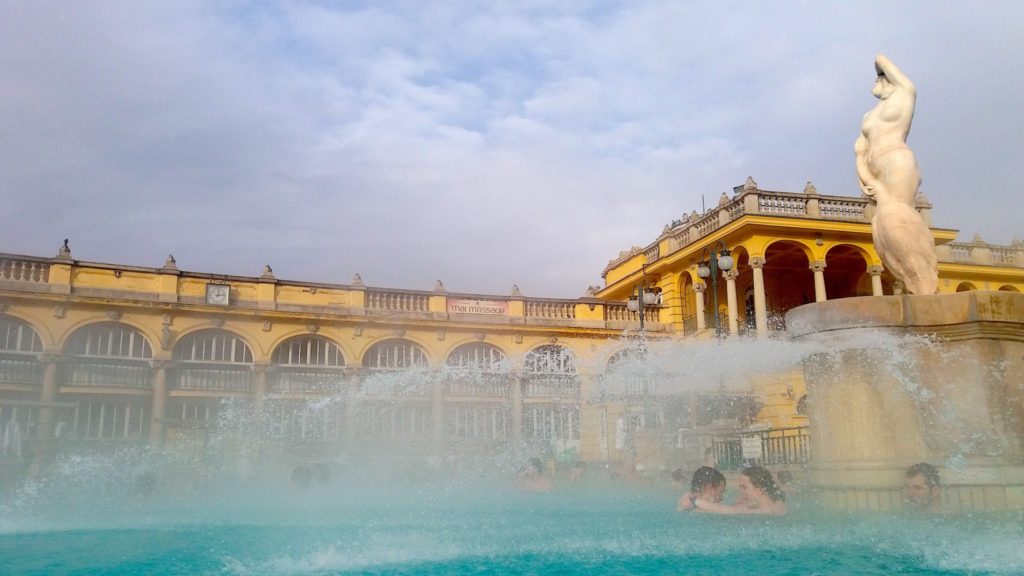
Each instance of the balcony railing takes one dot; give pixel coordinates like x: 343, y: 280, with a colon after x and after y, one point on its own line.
x: 215, y: 379
x: 471, y: 388
x: 20, y: 370
x: 107, y: 374
x: 779, y: 447
x: 554, y: 388
x: 289, y: 382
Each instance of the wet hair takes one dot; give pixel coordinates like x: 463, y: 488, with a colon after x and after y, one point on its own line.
x: 537, y: 464
x: 931, y: 475
x: 704, y: 477
x: 761, y: 478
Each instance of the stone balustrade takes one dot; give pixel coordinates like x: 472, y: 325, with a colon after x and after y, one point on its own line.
x: 171, y: 286
x: 614, y: 312
x: 396, y: 301
x: 554, y: 309
x: 750, y: 200
x: 21, y: 269
x: 979, y: 252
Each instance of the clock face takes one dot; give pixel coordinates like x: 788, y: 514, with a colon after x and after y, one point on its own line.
x: 217, y: 294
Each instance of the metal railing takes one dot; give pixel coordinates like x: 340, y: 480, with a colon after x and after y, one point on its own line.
x: 218, y: 379
x: 307, y: 382
x: 107, y: 374
x: 779, y: 447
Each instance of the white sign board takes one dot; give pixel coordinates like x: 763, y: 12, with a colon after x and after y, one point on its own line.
x: 752, y: 448
x: 465, y: 306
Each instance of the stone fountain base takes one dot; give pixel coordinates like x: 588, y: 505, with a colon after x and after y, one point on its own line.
x: 907, y: 379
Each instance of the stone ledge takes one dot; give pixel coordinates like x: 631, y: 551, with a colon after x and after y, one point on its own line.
x: 906, y: 312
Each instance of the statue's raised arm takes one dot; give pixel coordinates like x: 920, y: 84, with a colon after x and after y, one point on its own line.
x: 889, y: 176
x: 885, y: 67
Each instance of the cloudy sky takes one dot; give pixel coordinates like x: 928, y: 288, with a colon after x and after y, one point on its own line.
x: 484, y: 144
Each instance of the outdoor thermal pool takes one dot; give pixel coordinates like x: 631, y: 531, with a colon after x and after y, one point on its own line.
x: 454, y: 526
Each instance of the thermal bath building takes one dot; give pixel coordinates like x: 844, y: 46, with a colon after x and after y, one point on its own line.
x: 105, y: 355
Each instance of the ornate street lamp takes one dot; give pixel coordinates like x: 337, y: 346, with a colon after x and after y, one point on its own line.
x: 709, y: 267
x: 641, y: 297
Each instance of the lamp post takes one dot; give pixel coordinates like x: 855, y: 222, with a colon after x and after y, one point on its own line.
x: 709, y: 267
x: 642, y: 297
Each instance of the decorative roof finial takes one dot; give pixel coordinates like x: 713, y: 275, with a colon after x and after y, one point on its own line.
x: 357, y: 280
x: 809, y: 188
x: 170, y: 263
x: 268, y: 272
x: 439, y: 287
x: 64, y: 251
x: 749, y: 184
x: 515, y: 290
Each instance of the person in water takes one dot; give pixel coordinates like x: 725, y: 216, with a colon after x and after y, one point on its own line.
x: 531, y: 477
x: 923, y: 490
x: 707, y: 484
x: 758, y: 495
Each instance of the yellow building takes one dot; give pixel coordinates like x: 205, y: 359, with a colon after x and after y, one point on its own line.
x: 107, y: 354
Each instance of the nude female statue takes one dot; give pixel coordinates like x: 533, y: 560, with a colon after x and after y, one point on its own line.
x: 889, y: 177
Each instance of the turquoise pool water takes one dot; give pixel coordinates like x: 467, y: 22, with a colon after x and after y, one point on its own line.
x: 484, y: 528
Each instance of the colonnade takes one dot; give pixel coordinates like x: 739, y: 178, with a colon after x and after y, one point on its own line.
x: 757, y: 264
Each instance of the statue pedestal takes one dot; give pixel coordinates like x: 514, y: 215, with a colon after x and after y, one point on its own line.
x: 906, y: 379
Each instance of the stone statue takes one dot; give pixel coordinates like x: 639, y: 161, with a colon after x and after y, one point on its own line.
x: 889, y: 178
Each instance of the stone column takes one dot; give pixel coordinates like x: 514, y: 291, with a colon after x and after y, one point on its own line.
x: 760, y: 304
x: 260, y: 386
x: 730, y: 291
x: 48, y: 395
x: 818, y: 266
x: 437, y: 385
x: 45, y: 443
x: 517, y: 412
x: 353, y: 381
x: 698, y: 290
x: 876, y: 279
x: 158, y: 411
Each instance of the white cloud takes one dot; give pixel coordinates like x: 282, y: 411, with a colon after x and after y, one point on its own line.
x: 485, y: 146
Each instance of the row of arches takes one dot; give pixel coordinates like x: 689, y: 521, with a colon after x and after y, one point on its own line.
x: 108, y: 372
x: 788, y: 270
x: 218, y: 346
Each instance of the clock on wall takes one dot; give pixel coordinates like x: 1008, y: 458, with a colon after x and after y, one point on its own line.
x: 218, y: 294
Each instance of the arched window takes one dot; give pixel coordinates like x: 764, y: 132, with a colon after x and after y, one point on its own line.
x: 478, y: 357
x: 552, y: 391
x: 308, y: 365
x: 19, y: 346
x: 629, y: 375
x: 965, y: 287
x: 108, y: 355
x: 18, y: 337
x: 551, y: 359
x: 109, y: 340
x: 21, y: 373
x: 478, y: 371
x: 217, y: 346
x: 395, y: 355
x: 214, y: 360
